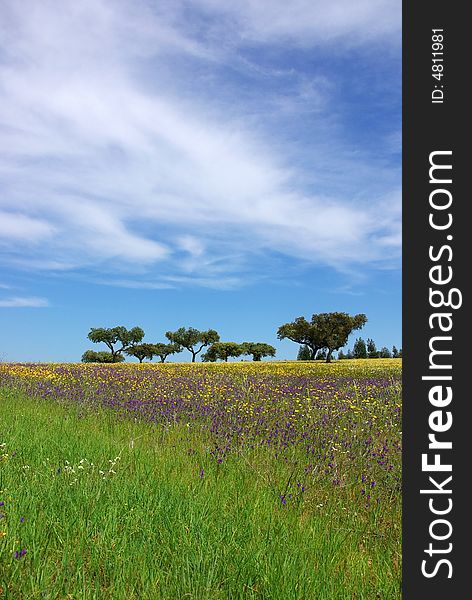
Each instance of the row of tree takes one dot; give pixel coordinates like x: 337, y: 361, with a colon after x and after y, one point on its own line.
x: 120, y: 341
x: 324, y: 334
x: 368, y: 349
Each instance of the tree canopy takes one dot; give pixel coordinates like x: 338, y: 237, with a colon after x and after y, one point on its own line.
x: 302, y: 332
x: 116, y: 335
x: 141, y: 351
x: 335, y: 329
x: 360, y: 349
x: 222, y: 351
x: 328, y: 331
x: 164, y: 350
x: 192, y: 339
x: 258, y: 350
x: 91, y: 356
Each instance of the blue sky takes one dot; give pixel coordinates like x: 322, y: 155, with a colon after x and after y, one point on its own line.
x: 199, y: 163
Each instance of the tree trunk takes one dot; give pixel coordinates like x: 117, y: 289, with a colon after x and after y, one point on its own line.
x: 328, y: 358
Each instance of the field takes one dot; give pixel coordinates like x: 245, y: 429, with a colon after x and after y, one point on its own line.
x: 201, y: 481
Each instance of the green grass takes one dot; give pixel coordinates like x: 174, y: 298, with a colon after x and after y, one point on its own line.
x: 156, y: 529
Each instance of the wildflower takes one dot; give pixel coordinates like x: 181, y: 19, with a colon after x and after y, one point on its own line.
x: 19, y: 554
x: 202, y: 474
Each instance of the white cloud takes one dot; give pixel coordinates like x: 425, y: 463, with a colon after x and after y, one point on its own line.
x: 18, y: 227
x: 18, y: 302
x: 309, y: 22
x: 126, y: 174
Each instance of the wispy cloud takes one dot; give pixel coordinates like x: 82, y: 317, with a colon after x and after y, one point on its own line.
x: 309, y: 22
x: 107, y: 163
x: 18, y: 302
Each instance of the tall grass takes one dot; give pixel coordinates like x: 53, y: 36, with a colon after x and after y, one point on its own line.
x: 109, y: 508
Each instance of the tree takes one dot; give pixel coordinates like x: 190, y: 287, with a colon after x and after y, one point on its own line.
x: 222, y: 351
x: 90, y: 356
x: 341, y: 355
x: 116, y: 335
x: 372, y: 351
x: 385, y: 353
x: 165, y: 350
x: 335, y: 328
x: 326, y: 330
x: 304, y: 353
x: 258, y: 350
x: 302, y: 332
x: 322, y: 354
x: 394, y: 352
x: 360, y: 350
x: 141, y: 351
x: 191, y: 338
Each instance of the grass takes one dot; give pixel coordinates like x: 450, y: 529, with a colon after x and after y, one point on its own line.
x: 127, y: 510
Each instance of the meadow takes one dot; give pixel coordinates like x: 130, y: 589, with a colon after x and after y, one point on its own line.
x: 274, y: 480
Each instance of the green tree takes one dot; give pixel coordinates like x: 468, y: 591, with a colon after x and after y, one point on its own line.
x: 192, y: 339
x: 360, y: 349
x: 385, y: 353
x: 394, y: 352
x: 258, y: 350
x: 141, y: 351
x: 322, y: 354
x: 304, y: 353
x: 90, y: 356
x: 165, y: 350
x: 335, y: 328
x: 116, y: 335
x: 302, y: 332
x: 341, y: 355
x: 325, y: 330
x: 372, y: 351
x: 222, y: 351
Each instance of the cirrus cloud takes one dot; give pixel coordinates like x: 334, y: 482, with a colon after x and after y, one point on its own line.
x: 108, y: 164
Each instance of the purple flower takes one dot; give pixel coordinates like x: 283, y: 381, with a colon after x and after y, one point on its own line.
x: 202, y: 474
x: 19, y: 554
x: 22, y: 520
